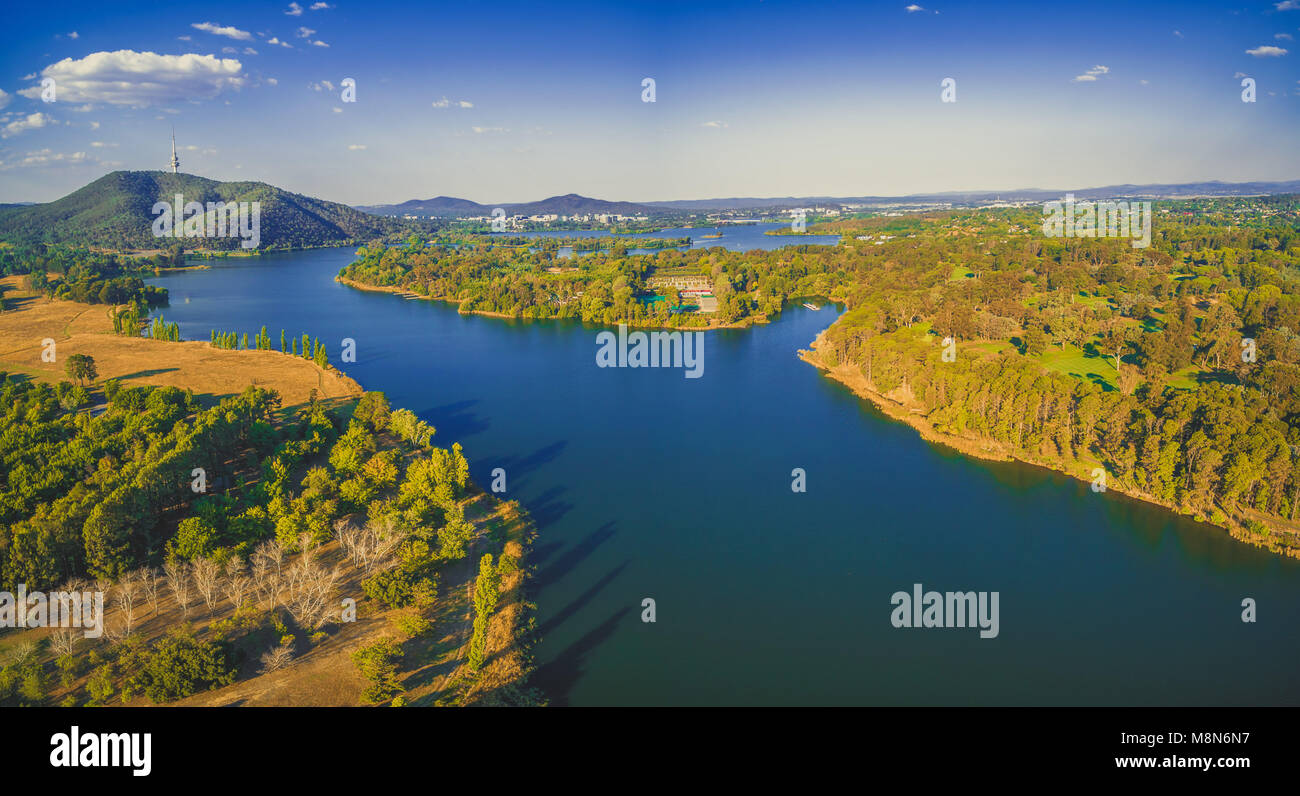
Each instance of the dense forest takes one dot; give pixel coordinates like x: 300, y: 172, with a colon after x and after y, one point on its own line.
x: 1175, y: 369
x: 90, y: 277
x: 158, y: 489
x: 607, y: 286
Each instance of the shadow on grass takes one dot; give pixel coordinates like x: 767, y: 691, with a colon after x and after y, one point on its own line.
x: 140, y: 374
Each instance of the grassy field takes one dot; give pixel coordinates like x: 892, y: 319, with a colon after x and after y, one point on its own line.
x: 1072, y: 361
x: 87, y: 329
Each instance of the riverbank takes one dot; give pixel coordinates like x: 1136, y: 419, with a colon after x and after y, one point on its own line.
x: 212, y: 373
x: 896, y: 406
x: 317, y: 664
x: 409, y: 294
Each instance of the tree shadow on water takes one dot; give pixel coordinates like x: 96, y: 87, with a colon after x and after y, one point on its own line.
x: 557, y: 677
x: 516, y: 466
x: 582, y: 600
x: 574, y: 556
x: 454, y: 421
x: 548, y: 509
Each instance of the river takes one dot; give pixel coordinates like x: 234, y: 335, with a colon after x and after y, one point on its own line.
x: 647, y: 484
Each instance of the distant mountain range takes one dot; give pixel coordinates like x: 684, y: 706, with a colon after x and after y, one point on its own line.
x: 566, y: 205
x: 115, y: 211
x: 569, y: 204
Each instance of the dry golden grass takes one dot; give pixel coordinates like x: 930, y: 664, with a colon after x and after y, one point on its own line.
x: 209, y: 372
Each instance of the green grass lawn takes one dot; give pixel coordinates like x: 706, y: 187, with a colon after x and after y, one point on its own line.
x: 1072, y: 361
x: 1185, y: 378
x: 960, y: 272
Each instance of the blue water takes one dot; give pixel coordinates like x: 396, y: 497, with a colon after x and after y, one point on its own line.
x: 735, y: 237
x: 648, y: 484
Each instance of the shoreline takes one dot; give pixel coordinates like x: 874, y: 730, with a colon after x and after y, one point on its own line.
x: 990, y: 450
x: 412, y: 295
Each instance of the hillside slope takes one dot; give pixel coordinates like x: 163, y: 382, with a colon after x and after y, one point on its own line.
x: 115, y: 211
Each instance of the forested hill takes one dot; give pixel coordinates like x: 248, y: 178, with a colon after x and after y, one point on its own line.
x: 115, y: 212
x: 566, y: 205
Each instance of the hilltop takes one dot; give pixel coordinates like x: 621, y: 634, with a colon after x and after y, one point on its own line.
x: 567, y: 205
x: 115, y: 212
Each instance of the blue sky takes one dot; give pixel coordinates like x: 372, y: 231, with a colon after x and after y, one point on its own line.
x: 752, y: 98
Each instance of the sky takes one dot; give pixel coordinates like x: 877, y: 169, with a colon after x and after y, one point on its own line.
x: 512, y: 102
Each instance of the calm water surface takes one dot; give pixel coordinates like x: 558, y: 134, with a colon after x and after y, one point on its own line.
x: 648, y: 484
x: 735, y: 237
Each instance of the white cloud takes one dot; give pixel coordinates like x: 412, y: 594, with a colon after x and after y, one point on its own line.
x: 1091, y: 75
x: 5, y: 98
x: 1287, y: 5
x: 275, y: 40
x: 295, y: 10
x: 1178, y: 33
x: 337, y: 110
x: 1266, y: 51
x: 127, y: 77
x: 320, y: 44
x: 304, y: 33
x: 717, y: 125
x: 1239, y: 75
x: 47, y: 157
x: 355, y: 147
x: 185, y: 38
x: 320, y: 6
x: 1284, y: 36
x: 913, y: 8
x: 482, y: 130
x: 220, y: 30
x: 270, y: 81
x: 446, y: 103
x: 324, y: 85
x: 32, y: 121
x: 74, y: 35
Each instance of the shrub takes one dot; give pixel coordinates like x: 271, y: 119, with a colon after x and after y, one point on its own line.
x: 377, y: 663
x: 180, y: 665
x: 411, y: 625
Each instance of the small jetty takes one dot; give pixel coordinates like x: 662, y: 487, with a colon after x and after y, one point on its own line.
x: 811, y: 306
x: 715, y: 235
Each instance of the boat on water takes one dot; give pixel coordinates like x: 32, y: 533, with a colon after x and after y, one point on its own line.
x: 811, y: 306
